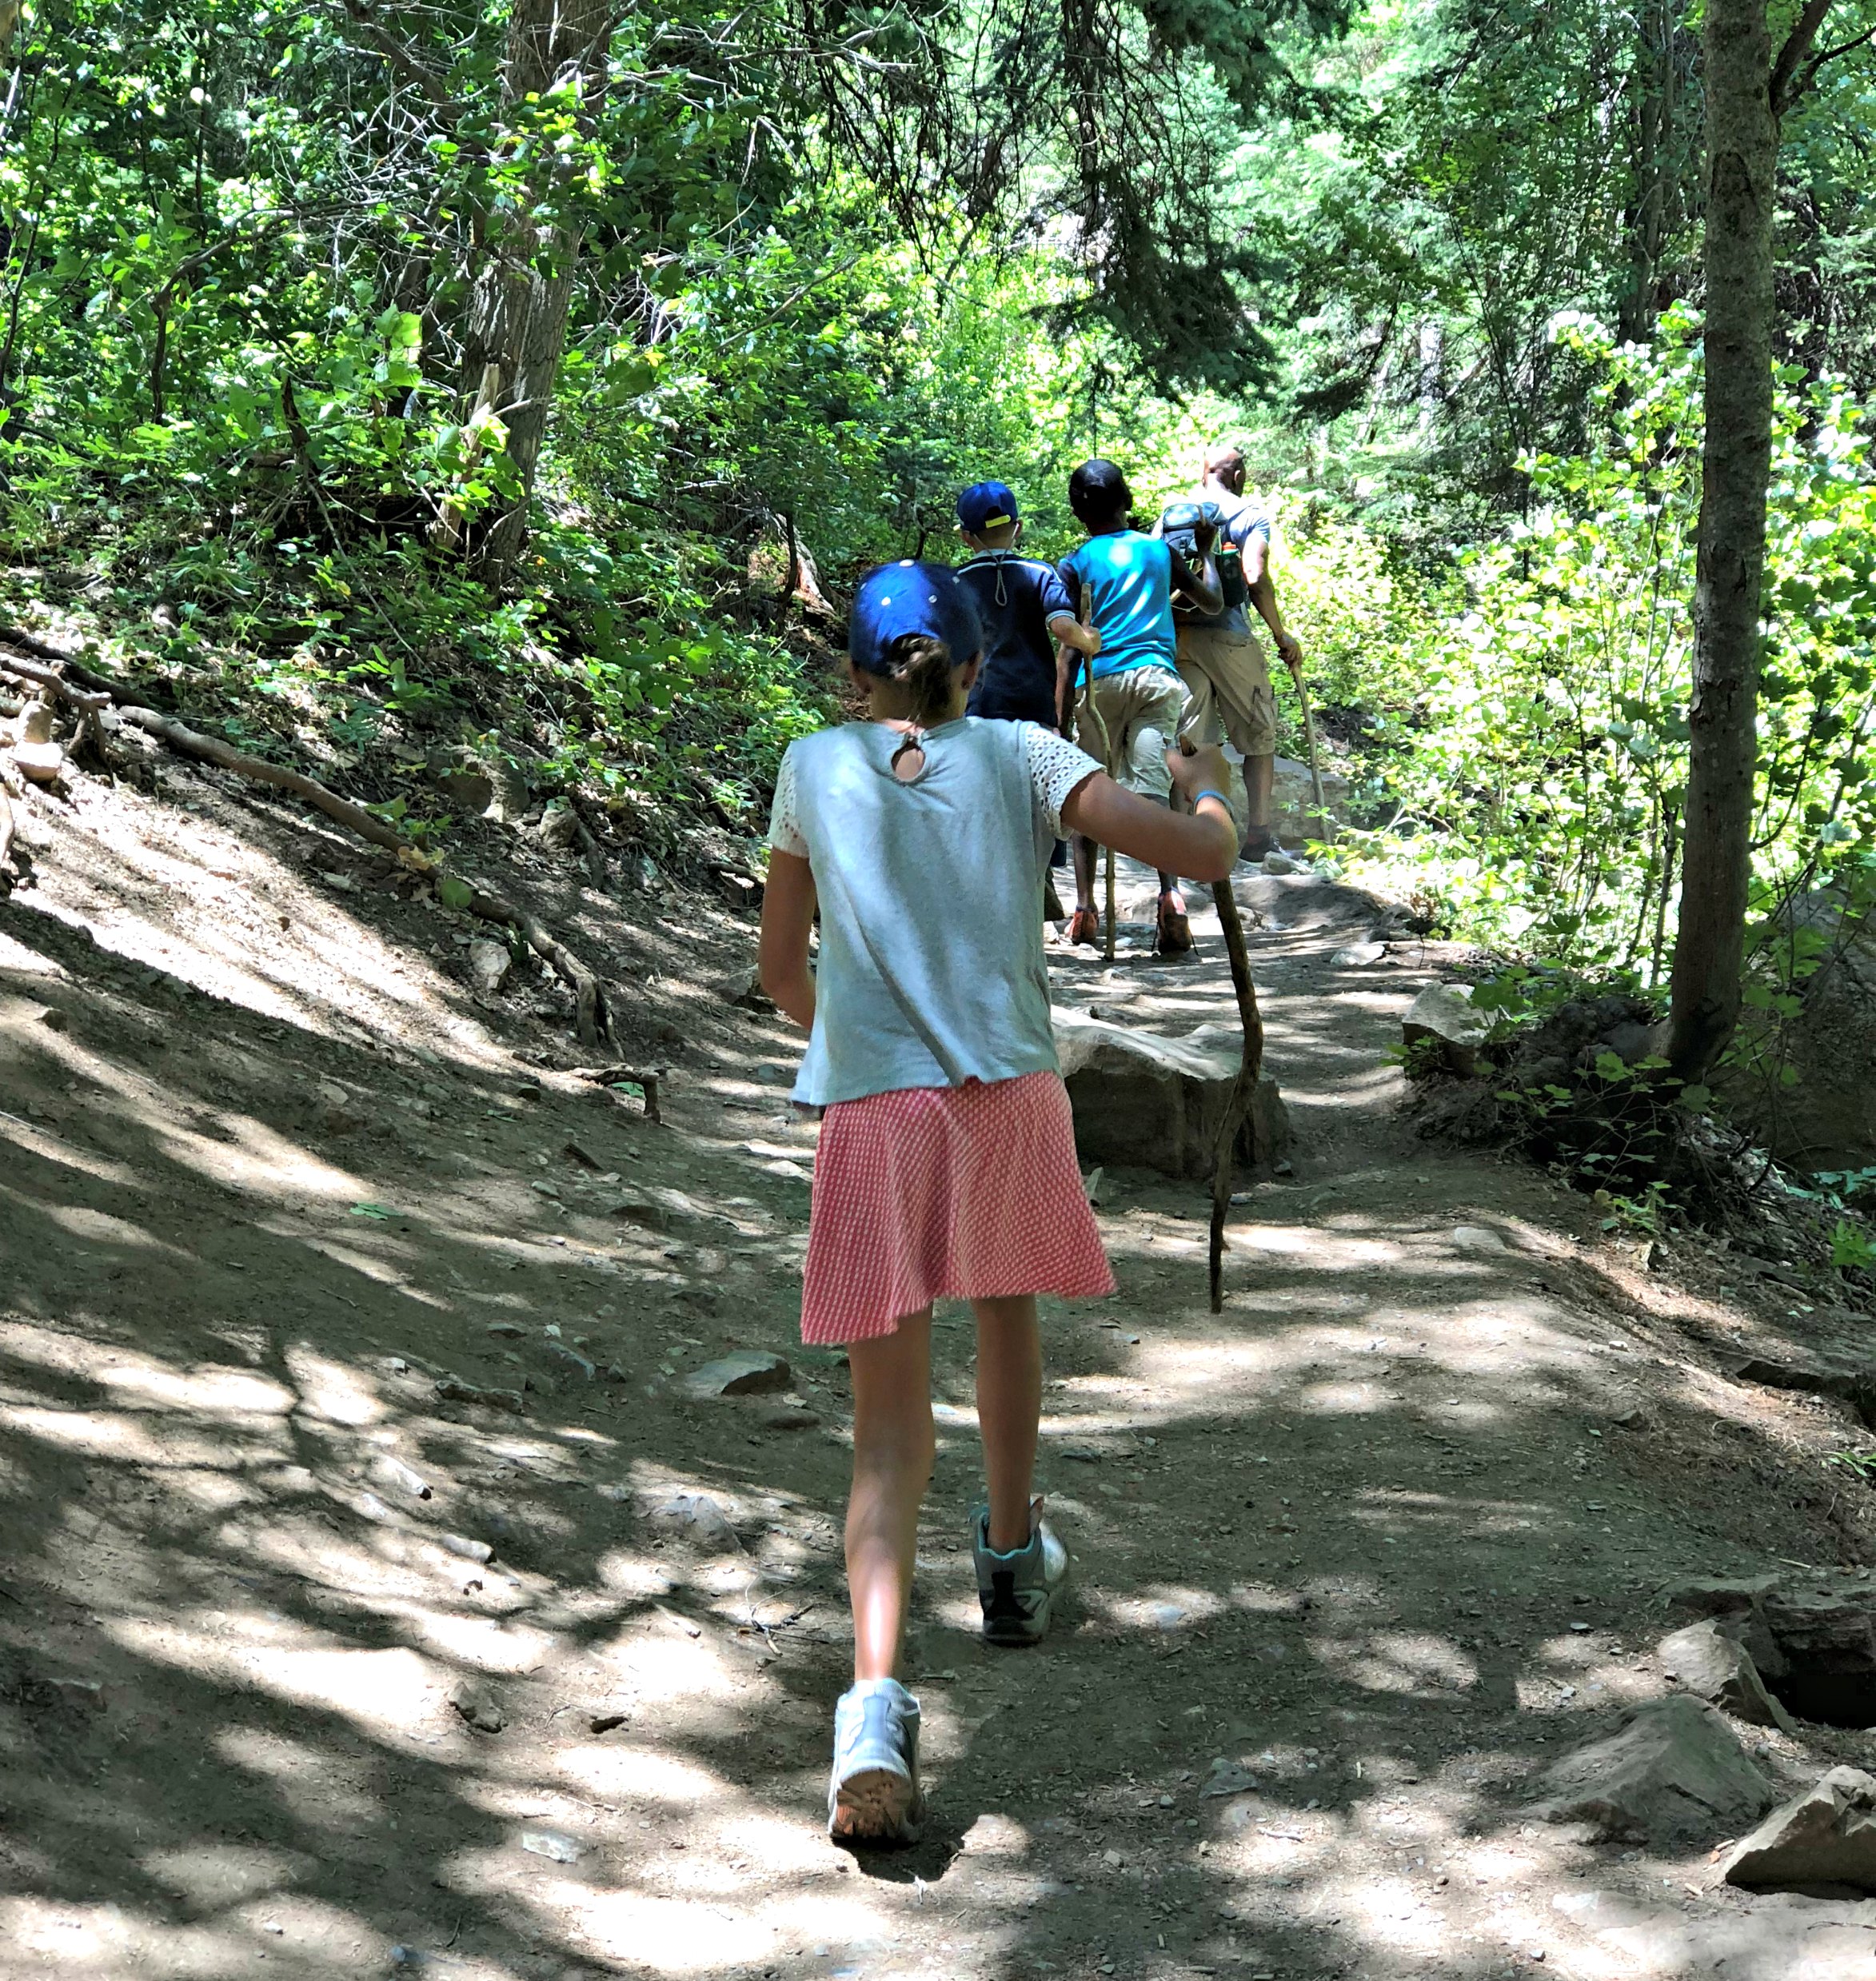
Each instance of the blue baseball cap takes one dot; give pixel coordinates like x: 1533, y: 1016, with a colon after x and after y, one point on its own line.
x: 986, y: 506
x: 917, y: 598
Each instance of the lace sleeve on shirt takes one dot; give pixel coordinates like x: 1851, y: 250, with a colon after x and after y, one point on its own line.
x: 784, y: 831
x: 1057, y: 769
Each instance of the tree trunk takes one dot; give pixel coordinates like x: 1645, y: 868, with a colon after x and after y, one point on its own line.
x: 518, y: 303
x: 1742, y: 156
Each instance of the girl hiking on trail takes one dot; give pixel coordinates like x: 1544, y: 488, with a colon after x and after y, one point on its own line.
x: 947, y: 1166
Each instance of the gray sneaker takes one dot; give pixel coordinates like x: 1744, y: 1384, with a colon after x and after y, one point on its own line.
x: 1018, y: 1590
x: 874, y: 1795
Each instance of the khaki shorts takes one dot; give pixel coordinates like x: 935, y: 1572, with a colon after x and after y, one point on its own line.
x: 1142, y: 709
x: 1232, y: 697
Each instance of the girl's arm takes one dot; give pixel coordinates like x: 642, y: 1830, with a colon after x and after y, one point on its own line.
x: 1203, y: 845
x: 788, y: 916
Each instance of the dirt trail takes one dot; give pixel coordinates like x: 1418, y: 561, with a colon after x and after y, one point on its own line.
x: 1355, y: 1560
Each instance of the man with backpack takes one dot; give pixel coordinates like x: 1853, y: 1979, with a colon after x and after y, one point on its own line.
x: 1219, y: 659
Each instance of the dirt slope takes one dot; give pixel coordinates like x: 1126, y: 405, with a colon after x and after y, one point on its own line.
x: 1384, y: 1539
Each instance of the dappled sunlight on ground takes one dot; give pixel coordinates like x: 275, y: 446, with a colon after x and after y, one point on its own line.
x: 1355, y: 1560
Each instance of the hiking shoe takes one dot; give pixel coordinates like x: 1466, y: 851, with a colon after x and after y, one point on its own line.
x: 874, y: 1795
x: 1017, y: 1590
x: 1172, y: 934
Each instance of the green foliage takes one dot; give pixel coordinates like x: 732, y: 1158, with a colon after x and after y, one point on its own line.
x: 1541, y: 770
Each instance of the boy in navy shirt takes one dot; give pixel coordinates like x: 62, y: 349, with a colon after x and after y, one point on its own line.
x: 1024, y: 609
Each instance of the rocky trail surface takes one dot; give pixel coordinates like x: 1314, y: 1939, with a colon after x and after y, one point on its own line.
x: 386, y: 1585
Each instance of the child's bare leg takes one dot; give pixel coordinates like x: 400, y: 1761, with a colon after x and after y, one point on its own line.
x: 892, y: 1450
x: 1009, y: 1408
x: 1085, y: 852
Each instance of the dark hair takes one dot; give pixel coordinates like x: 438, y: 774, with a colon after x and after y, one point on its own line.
x: 917, y: 662
x: 1098, y: 492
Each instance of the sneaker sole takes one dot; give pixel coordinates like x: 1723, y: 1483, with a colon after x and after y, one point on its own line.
x: 876, y: 1806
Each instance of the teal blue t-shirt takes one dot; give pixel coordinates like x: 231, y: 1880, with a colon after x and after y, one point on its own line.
x: 1129, y: 577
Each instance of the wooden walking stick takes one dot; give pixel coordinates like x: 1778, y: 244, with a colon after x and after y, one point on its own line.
x: 1315, y: 773
x: 1086, y: 615
x: 1243, y: 1093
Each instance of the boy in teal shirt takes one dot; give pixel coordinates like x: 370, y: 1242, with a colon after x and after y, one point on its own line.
x: 1136, y: 698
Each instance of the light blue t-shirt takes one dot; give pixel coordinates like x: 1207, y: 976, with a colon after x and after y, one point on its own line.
x: 1129, y: 578
x: 931, y: 970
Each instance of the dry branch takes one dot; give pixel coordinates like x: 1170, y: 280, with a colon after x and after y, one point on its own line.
x: 589, y: 1003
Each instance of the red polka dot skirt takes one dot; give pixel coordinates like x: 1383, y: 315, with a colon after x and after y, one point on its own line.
x: 926, y: 1193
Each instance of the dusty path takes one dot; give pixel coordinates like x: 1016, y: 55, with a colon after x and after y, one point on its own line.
x: 1355, y: 1560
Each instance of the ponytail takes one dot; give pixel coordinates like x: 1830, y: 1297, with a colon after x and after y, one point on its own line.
x: 916, y: 661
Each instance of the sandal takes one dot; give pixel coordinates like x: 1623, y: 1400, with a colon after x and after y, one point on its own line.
x: 1174, y: 934
x: 1084, y: 925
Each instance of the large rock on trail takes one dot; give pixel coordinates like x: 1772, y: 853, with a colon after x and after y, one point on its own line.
x: 1442, y: 1018
x: 1672, y: 1770
x: 1825, y: 1837
x: 1292, y: 801
x: 1714, y: 1664
x: 1828, y: 1363
x: 748, y: 1372
x: 1812, y: 1637
x: 1143, y: 1099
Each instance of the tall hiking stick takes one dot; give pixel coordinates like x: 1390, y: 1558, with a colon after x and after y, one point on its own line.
x: 1244, y: 1089
x: 1315, y: 773
x: 1085, y: 614
x: 1243, y: 1093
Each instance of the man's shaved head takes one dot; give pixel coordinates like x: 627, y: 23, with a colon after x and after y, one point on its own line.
x: 1225, y: 459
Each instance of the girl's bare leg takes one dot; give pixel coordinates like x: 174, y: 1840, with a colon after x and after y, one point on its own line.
x: 1009, y: 1409
x: 892, y: 1450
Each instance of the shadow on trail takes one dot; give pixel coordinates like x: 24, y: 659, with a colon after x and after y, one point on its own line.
x: 1362, y: 1628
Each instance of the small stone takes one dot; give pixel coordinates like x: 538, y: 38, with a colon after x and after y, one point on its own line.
x: 746, y: 994
x: 573, y: 1360
x: 789, y: 1417
x: 750, y: 1371
x: 506, y: 1330
x: 1358, y: 955
x: 452, y: 1389
x: 86, y: 1694
x: 53, y: 1019
x: 392, y: 1472
x: 39, y: 763
x: 695, y: 1518
x: 480, y: 1709
x: 553, y: 1844
x: 1168, y: 1615
x: 1228, y: 1779
x: 339, y: 1112
x: 606, y: 1723
x: 1476, y: 1238
x: 489, y: 963
x: 1279, y: 863
x: 467, y: 1550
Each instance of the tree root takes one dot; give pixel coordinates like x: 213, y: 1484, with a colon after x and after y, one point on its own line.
x: 647, y: 1077
x: 591, y: 1018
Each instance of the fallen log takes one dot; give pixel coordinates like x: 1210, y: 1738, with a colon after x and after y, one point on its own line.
x: 589, y: 1003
